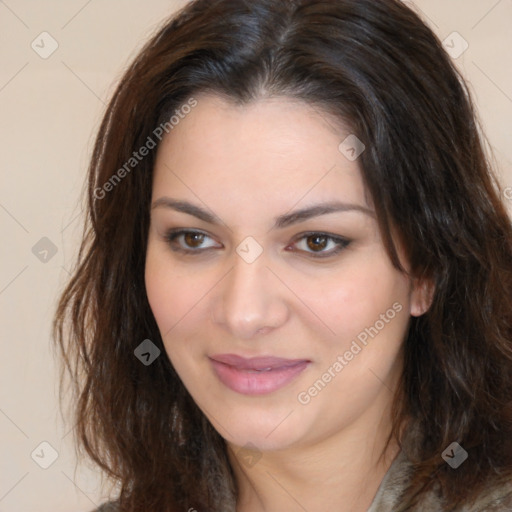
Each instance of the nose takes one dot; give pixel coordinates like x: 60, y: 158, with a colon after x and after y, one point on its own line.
x: 250, y: 300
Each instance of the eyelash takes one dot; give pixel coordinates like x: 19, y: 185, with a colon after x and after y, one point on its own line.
x: 172, y: 235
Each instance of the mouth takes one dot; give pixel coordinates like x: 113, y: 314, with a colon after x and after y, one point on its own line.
x: 257, y: 375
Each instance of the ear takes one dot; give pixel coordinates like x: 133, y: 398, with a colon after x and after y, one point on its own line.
x: 422, y: 295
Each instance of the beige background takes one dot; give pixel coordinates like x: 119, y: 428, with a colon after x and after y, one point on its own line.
x: 50, y: 111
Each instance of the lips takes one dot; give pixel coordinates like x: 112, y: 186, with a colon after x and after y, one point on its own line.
x: 256, y: 363
x: 256, y: 375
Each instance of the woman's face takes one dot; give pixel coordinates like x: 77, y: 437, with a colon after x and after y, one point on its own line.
x: 285, y: 317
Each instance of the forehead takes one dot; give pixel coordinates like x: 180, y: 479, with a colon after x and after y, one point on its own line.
x: 269, y: 150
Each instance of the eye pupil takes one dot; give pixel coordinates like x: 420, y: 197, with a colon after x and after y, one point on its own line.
x: 194, y: 239
x: 319, y: 242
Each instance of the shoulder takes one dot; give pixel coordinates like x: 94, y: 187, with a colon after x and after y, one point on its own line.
x: 497, y: 498
x: 111, y: 506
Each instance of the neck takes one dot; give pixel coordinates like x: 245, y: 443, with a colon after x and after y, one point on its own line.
x: 343, y: 469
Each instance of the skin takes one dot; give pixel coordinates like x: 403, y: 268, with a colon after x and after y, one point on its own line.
x: 248, y: 165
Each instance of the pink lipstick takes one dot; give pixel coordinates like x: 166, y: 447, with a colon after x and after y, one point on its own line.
x: 256, y: 375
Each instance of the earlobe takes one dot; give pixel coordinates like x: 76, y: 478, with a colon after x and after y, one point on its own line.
x: 422, y: 295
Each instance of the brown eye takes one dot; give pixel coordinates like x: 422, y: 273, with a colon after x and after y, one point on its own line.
x: 190, y: 242
x: 314, y: 244
x: 192, y: 239
x: 317, y: 242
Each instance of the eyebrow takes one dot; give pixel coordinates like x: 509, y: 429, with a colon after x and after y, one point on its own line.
x: 288, y: 219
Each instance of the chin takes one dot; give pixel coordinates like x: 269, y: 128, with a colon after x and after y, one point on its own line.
x: 260, y: 441
x: 264, y: 431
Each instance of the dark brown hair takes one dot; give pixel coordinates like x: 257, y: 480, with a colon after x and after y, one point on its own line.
x: 377, y: 67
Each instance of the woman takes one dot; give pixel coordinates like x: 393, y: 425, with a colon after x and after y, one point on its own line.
x: 294, y: 292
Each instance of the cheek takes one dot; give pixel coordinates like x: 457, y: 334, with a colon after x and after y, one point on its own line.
x: 171, y: 297
x: 178, y: 297
x: 157, y: 289
x: 354, y: 298
x: 169, y: 292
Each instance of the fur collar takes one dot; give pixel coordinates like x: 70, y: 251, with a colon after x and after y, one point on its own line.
x: 496, y: 499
